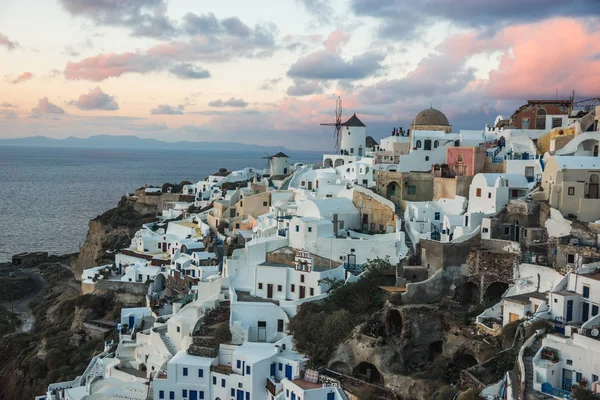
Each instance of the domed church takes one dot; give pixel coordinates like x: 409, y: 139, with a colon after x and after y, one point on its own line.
x: 431, y: 119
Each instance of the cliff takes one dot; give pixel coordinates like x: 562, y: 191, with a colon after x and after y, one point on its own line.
x: 112, y: 231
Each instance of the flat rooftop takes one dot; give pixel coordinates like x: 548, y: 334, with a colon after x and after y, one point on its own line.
x: 301, y: 383
x: 524, y: 298
x: 334, y: 265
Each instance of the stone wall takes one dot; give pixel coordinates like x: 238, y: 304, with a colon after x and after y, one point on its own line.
x: 136, y: 288
x: 379, y: 214
x: 448, y: 188
x: 439, y: 285
x: 287, y: 256
x: 437, y: 255
x: 394, y: 186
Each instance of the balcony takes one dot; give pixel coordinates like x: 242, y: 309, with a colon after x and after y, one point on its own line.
x: 274, y: 387
x: 547, y: 388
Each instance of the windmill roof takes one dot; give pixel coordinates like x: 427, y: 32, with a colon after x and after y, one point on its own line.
x: 280, y: 155
x: 353, y: 121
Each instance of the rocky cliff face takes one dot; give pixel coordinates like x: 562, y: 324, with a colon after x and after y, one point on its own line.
x: 112, y: 231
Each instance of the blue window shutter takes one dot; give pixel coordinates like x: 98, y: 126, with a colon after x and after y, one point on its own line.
x: 247, y: 370
x: 201, y: 395
x: 223, y: 383
x: 171, y: 395
x: 184, y: 392
x: 200, y: 373
x: 214, y: 380
x: 161, y: 394
x: 239, y: 363
x: 232, y: 391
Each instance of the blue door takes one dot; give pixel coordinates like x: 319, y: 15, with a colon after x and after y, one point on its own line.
x: 240, y: 395
x: 131, y: 321
x: 585, y: 311
x: 288, y: 372
x: 567, y: 379
x: 569, y: 310
x: 193, y: 395
x: 293, y: 396
x: 331, y: 396
x: 273, y: 370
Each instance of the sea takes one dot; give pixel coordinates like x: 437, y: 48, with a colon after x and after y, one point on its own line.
x: 49, y: 194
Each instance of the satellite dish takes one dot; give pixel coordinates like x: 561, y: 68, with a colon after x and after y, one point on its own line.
x: 595, y: 332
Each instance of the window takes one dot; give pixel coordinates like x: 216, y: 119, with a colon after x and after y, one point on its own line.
x: 279, y: 288
x: 247, y: 370
x: 239, y: 363
x: 570, y: 258
x: 556, y: 122
x: 489, y: 195
x: 200, y: 373
x: 303, y: 183
x: 161, y: 394
x: 540, y: 119
x: 260, y: 286
x: 179, y: 330
x: 437, y: 216
x: 201, y: 394
x: 586, y: 292
x: 507, y: 230
x: 265, y: 203
x: 412, y: 189
x: 241, y: 204
x: 293, y: 288
x: 478, y: 192
x: 569, y: 362
x: 426, y: 158
x: 171, y: 395
x: 279, y: 325
x: 485, y: 230
x: 297, y: 228
x: 185, y: 371
x: 302, y: 278
x: 247, y: 395
x: 237, y: 226
x: 459, y: 158
x: 514, y: 193
x: 233, y: 392
x: 571, y: 190
x: 594, y: 310
x: 223, y: 385
x: 184, y: 392
x: 436, y: 144
x: 351, y: 148
x: 310, y: 228
x: 529, y: 171
x: 418, y: 144
x: 427, y: 145
x: 214, y: 380
x: 280, y: 367
x: 312, y: 291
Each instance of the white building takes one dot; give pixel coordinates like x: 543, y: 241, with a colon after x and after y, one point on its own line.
x: 279, y: 164
x: 352, y: 144
x: 489, y: 193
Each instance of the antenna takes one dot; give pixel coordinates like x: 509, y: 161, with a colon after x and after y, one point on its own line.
x: 337, y: 133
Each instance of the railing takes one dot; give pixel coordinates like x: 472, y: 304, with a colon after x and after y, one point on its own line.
x: 547, y: 388
x: 354, y: 269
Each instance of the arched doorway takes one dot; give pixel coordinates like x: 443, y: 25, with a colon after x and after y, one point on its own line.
x: 467, y: 294
x: 339, y: 162
x: 393, y: 189
x: 369, y: 373
x: 593, y: 187
x: 494, y: 292
x: 328, y: 163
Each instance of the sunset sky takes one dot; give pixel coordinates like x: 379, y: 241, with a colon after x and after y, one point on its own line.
x: 268, y: 72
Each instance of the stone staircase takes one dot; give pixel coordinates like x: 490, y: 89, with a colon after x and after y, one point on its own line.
x: 168, y: 344
x: 528, y: 362
x: 203, y: 342
x: 407, y: 239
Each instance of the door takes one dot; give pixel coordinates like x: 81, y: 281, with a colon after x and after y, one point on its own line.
x: 309, y: 185
x: 585, y: 311
x: 513, y: 317
x: 569, y: 310
x: 288, y: 372
x: 427, y: 145
x: 131, y: 321
x: 240, y: 395
x: 365, y: 222
x: 269, y: 291
x: 331, y: 396
x: 262, y: 331
x: 273, y: 370
x: 164, y: 247
x: 193, y: 394
x: 567, y: 380
x: 302, y: 292
x: 593, y: 192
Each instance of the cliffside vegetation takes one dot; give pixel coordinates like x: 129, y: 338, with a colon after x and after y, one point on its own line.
x: 321, y: 326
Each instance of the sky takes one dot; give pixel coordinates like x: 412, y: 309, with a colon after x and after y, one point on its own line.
x: 269, y: 72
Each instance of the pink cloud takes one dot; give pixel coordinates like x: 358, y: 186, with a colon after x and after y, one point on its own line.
x: 25, y: 76
x: 103, y: 66
x: 46, y: 107
x: 336, y: 40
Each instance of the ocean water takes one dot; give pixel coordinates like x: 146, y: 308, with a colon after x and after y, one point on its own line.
x: 49, y: 194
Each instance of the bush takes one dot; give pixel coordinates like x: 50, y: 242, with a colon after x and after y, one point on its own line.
x: 580, y: 393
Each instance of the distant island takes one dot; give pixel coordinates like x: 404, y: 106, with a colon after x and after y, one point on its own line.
x: 133, y: 142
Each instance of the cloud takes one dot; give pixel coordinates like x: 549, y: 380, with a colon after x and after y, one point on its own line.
x: 9, y: 105
x: 398, y: 16
x: 6, y: 42
x: 25, y: 76
x: 232, y: 102
x: 165, y: 109
x: 336, y: 40
x: 326, y: 65
x: 269, y: 84
x: 208, y: 48
x: 8, y: 114
x: 145, y: 18
x: 304, y: 88
x: 75, y: 49
x: 189, y: 71
x: 95, y: 99
x: 46, y: 107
